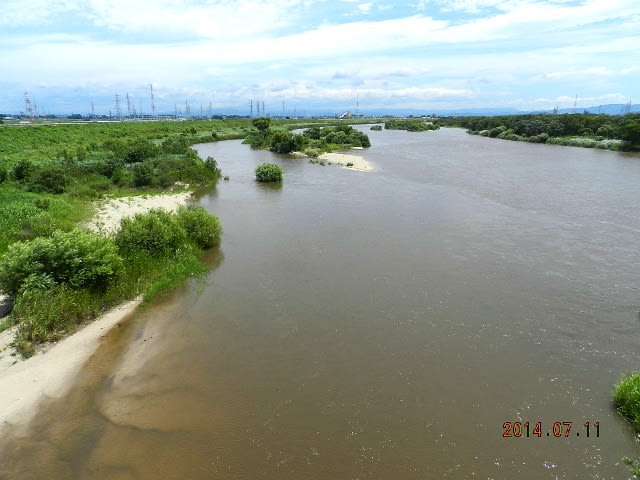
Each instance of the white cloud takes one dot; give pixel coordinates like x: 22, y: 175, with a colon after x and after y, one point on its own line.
x: 591, y: 71
x: 244, y: 46
x: 365, y: 7
x: 20, y: 13
x: 213, y: 19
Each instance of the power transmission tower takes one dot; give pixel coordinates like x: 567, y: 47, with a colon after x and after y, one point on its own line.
x: 250, y: 108
x: 93, y: 111
x: 153, y: 104
x: 128, y: 106
x: 28, y: 108
x: 117, y: 106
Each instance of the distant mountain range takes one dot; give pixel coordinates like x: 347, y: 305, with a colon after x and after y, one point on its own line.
x: 609, y: 109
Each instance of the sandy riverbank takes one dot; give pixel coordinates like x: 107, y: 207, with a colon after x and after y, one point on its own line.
x: 24, y: 383
x: 109, y: 214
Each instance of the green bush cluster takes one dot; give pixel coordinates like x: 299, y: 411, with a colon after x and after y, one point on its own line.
x: 163, y: 232
x: 626, y: 397
x: 312, y: 139
x: 269, y: 172
x: 77, y: 259
x: 203, y: 229
x: 99, y: 173
x: 156, y: 232
x: 410, y: 125
x: 376, y: 128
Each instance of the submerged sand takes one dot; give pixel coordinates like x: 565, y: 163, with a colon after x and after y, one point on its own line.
x: 24, y: 383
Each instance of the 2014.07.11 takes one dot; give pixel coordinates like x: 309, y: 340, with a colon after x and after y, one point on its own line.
x: 559, y: 429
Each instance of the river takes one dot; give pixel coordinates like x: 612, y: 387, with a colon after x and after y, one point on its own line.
x: 377, y: 325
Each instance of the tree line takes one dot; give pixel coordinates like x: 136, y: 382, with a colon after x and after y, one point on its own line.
x: 615, y: 132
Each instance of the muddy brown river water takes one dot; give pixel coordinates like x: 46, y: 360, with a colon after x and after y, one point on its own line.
x: 378, y: 325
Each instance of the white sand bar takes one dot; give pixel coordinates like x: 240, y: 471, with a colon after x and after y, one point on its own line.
x: 343, y: 159
x: 109, y: 214
x: 24, y: 383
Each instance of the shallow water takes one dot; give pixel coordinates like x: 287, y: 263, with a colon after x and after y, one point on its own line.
x: 377, y: 325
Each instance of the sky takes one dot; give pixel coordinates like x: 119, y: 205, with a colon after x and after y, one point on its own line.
x: 302, y: 57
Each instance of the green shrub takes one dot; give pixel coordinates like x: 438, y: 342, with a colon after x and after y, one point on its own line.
x: 22, y: 170
x: 269, y: 172
x: 79, y: 259
x: 107, y: 167
x: 3, y: 175
x: 626, y: 396
x: 633, y: 465
x: 202, y: 228
x: 42, y: 203
x: 36, y: 226
x: 49, y: 179
x: 282, y: 141
x: 312, y: 152
x: 540, y: 138
x: 122, y: 177
x: 140, y: 151
x: 156, y: 231
x: 143, y: 174
x: 376, y: 128
x: 212, y: 165
x: 175, y: 145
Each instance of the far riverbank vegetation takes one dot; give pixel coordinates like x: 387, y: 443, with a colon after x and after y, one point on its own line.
x: 410, y: 125
x: 610, y: 132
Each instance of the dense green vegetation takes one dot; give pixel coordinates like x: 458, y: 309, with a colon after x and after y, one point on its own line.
x: 612, y: 132
x: 410, y: 125
x: 69, y: 277
x: 52, y: 173
x: 626, y: 397
x: 269, y: 172
x: 313, y: 141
